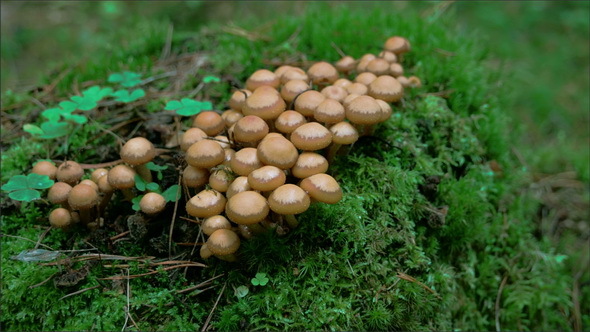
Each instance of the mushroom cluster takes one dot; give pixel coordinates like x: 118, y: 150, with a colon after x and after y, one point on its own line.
x: 255, y: 166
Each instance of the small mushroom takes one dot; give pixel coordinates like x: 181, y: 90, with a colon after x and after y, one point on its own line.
x: 210, y: 122
x: 223, y: 242
x: 323, y: 188
x: 152, y: 203
x: 205, y: 204
x: 311, y: 137
x: 137, y: 152
x: 205, y: 154
x: 262, y: 77
x: 69, y: 172
x: 289, y: 200
x: 322, y: 73
x: 246, y: 208
x: 60, y: 218
x: 44, y: 167
x: 83, y: 198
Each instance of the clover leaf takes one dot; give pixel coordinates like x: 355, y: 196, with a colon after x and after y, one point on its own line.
x: 156, y: 168
x: 89, y: 99
x: 172, y: 194
x: 24, y: 188
x: 127, y: 79
x: 53, y: 115
x: 125, y: 97
x: 209, y: 79
x: 188, y: 107
x: 241, y: 291
x: 260, y: 279
x: 135, y: 202
x: 48, y: 130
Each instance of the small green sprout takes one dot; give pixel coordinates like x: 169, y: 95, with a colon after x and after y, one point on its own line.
x: 172, y: 194
x: 141, y: 185
x: 25, y: 187
x: 125, y: 97
x: 241, y: 291
x: 89, y: 99
x: 127, y: 79
x: 260, y: 279
x: 188, y: 107
x: 211, y: 79
x: 156, y: 168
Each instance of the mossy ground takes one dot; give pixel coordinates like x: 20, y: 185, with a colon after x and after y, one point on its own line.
x: 442, y: 226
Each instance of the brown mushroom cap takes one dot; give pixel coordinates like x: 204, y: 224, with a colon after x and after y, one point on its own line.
x: 246, y: 208
x: 60, y: 218
x: 365, y: 78
x: 395, y: 69
x: 152, y: 203
x: 231, y: 116
x: 205, y: 204
x: 308, y: 164
x: 82, y: 197
x: 58, y: 193
x: 277, y: 151
x: 403, y: 81
x: 322, y: 188
x: 44, y: 167
x: 250, y: 129
x: 335, y: 92
x: 98, y: 173
x: 204, y: 252
x: 236, y: 102
x: 342, y: 82
x: 266, y: 178
x: 414, y: 81
x: 344, y: 133
x: 289, y: 121
x: 282, y: 69
x: 245, y: 161
x: 205, y: 154
x: 307, y: 102
x: 364, y: 61
x: 329, y: 111
x: 210, y: 122
x: 378, y: 66
x: 388, y: 56
x: 122, y: 177
x: 138, y: 151
x: 345, y: 64
x: 289, y: 199
x: 69, y: 172
x: 104, y: 186
x: 363, y: 110
x: 89, y: 183
x: 195, y: 177
x: 294, y: 73
x: 229, y: 155
x: 311, y: 136
x: 223, y: 242
x: 214, y: 223
x: 223, y: 141
x: 190, y: 137
x: 262, y: 77
x: 349, y: 98
x: 237, y: 186
x: 264, y: 103
x: 357, y: 89
x: 386, y: 110
x: 322, y: 73
x: 220, y: 180
x: 292, y: 88
x: 386, y: 88
x: 397, y: 45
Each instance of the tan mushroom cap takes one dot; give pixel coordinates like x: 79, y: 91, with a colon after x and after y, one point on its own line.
x: 90, y: 183
x: 246, y: 208
x: 388, y: 56
x: 277, y: 151
x: 365, y: 78
x: 214, y: 223
x: 262, y: 77
x: 205, y: 154
x: 266, y: 178
x: 195, y: 177
x: 210, y: 122
x: 58, y: 193
x: 236, y: 102
x: 190, y: 137
x: 229, y: 155
x: 82, y: 197
x: 104, y: 186
x: 205, y: 204
x: 414, y: 81
x: 395, y: 69
x: 289, y: 199
x: 220, y: 180
x: 386, y: 88
x: 60, y: 218
x: 264, y: 103
x: 322, y: 188
x: 378, y: 66
x: 204, y: 252
x: 344, y: 133
x: 307, y: 102
x: 357, y: 89
x: 98, y: 173
x: 245, y: 161
x: 239, y: 185
x: 45, y: 167
x: 364, y: 61
x: 342, y: 82
x: 292, y: 88
x: 152, y: 203
x: 397, y: 45
x: 308, y: 164
x: 289, y: 121
x: 223, y: 242
x: 294, y: 73
x: 311, y: 136
x: 345, y: 64
x: 335, y: 92
x: 231, y: 116
x: 329, y: 111
x: 282, y: 69
x: 404, y: 81
x: 250, y: 129
x: 322, y: 73
x: 363, y: 110
x: 122, y: 177
x: 350, y: 98
x: 386, y: 110
x: 223, y: 141
x: 69, y: 172
x: 138, y: 151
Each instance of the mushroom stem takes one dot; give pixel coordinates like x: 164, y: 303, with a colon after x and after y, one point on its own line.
x: 368, y: 130
x: 128, y: 193
x: 332, y: 151
x: 104, y: 202
x: 291, y: 221
x: 228, y: 258
x: 144, y: 172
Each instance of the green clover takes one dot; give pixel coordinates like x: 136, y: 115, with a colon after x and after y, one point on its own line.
x: 89, y: 99
x: 135, y: 202
x: 24, y: 188
x: 260, y: 279
x: 188, y: 107
x: 241, y: 291
x: 209, y: 79
x: 156, y: 168
x: 48, y: 130
x: 125, y: 97
x: 127, y: 79
x: 172, y: 194
x: 53, y: 115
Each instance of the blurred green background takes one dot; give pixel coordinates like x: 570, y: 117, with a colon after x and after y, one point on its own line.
x: 542, y: 47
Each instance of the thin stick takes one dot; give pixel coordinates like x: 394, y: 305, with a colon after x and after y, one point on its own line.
x: 133, y: 276
x: 338, y: 49
x: 78, y: 292
x: 206, y: 282
x: 497, y: 306
x: 412, y: 279
x: 173, y: 221
x: 113, y: 238
x: 41, y: 237
x: 43, y: 282
x: 127, y: 306
x: 213, y: 309
x: 24, y: 238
